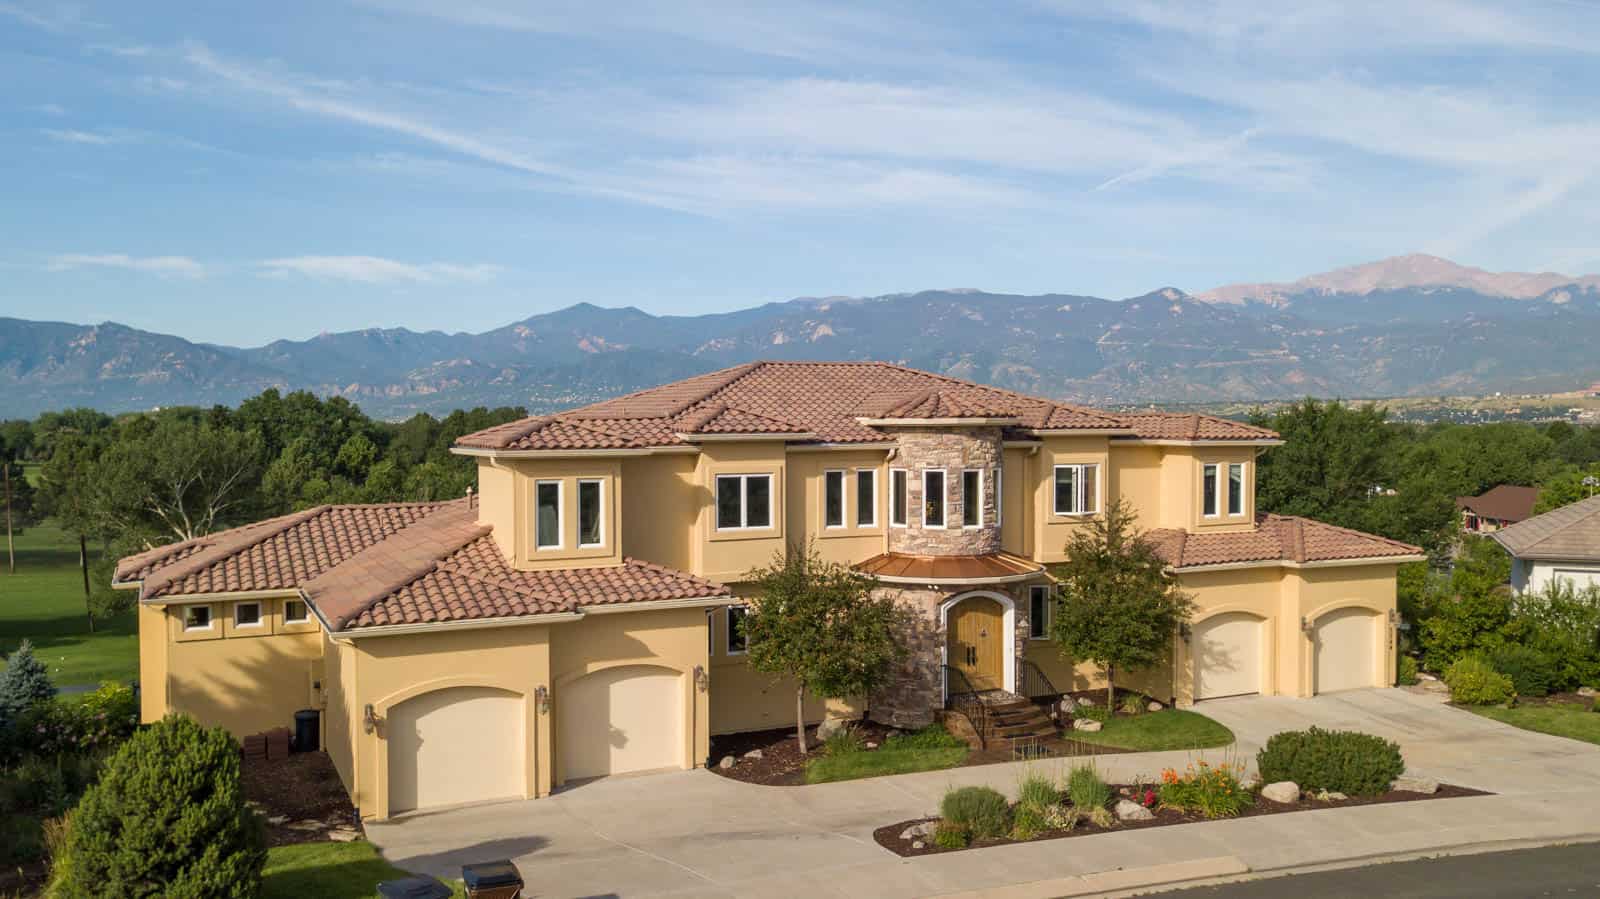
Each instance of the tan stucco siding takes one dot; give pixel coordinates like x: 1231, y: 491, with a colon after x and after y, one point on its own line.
x: 1325, y: 590
x: 1136, y: 478
x: 1016, y: 533
x: 497, y: 506
x: 727, y: 555
x: 663, y: 509
x: 743, y: 699
x: 247, y: 684
x: 847, y: 543
x: 338, y: 724
x: 1221, y: 456
x: 1066, y: 675
x: 1055, y: 530
x: 154, y: 645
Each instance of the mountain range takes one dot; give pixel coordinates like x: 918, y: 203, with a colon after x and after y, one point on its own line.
x: 1410, y: 325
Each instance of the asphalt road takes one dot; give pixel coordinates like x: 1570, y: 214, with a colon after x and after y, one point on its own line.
x: 1553, y: 871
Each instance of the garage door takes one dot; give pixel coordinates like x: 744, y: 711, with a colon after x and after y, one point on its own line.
x: 620, y: 720
x: 463, y: 744
x: 1227, y: 656
x: 1346, y: 648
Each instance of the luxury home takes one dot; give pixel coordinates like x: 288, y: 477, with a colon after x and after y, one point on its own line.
x: 579, y: 616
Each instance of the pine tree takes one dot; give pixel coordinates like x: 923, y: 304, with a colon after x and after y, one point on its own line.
x: 24, y: 684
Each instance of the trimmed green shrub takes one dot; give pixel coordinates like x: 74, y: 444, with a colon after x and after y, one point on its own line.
x: 1037, y: 792
x: 950, y: 836
x: 1342, y: 761
x: 1085, y: 788
x: 1532, y: 672
x: 1465, y: 623
x: 1473, y: 681
x: 982, y: 811
x: 1406, y: 671
x: 167, y: 816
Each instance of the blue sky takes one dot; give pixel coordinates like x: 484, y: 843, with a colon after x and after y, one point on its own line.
x: 242, y: 172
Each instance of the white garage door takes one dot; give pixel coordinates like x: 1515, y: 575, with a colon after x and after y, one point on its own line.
x: 1227, y: 656
x: 1346, y: 648
x: 619, y: 720
x: 462, y: 744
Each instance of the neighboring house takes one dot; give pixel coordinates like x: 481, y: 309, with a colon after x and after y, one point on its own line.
x: 579, y: 616
x: 1562, y: 544
x: 1496, y: 508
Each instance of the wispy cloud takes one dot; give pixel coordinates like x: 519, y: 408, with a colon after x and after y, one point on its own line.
x: 163, y: 266
x: 75, y: 136
x: 54, y: 17
x: 377, y: 270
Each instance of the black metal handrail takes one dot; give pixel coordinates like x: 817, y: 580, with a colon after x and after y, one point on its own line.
x: 962, y: 697
x: 1035, y: 683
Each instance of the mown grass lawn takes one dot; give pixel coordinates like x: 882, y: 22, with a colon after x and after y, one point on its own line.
x: 328, y: 871
x: 43, y: 602
x: 1159, y: 731
x: 1567, y: 720
x: 928, y: 749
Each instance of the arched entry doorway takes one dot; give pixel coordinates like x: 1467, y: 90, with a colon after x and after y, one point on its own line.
x: 980, y: 639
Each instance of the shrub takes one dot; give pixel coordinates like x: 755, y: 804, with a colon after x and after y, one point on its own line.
x: 1101, y: 817
x: 949, y: 836
x: 1085, y: 789
x: 1465, y: 623
x: 1406, y: 671
x: 1093, y: 713
x: 1132, y: 704
x: 95, y: 721
x: 1563, y: 623
x: 981, y: 811
x: 24, y: 684
x: 1348, y: 762
x: 844, y: 740
x: 1213, y: 791
x: 1532, y: 672
x: 1028, y: 822
x: 1037, y: 792
x: 169, y: 809
x: 1473, y: 681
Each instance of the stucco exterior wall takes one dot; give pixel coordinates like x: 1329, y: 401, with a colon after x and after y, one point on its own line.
x: 244, y: 683
x: 154, y: 645
x: 1136, y: 476
x: 727, y: 555
x: 663, y: 513
x: 848, y: 543
x: 1055, y: 530
x: 339, y: 721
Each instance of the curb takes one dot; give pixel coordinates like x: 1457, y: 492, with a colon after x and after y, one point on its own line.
x: 1118, y: 880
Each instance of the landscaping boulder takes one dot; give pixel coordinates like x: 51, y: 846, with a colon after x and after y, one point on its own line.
x: 1411, y: 783
x: 755, y: 754
x: 344, y: 835
x: 1331, y: 796
x: 1086, y: 701
x: 918, y: 845
x: 1284, y: 791
x: 1154, y: 706
x: 1585, y: 691
x: 1128, y: 810
x: 1069, y: 706
x: 919, y: 831
x: 276, y: 820
x: 871, y: 745
x: 726, y: 763
x: 831, y: 726
x: 1425, y: 676
x: 1087, y: 724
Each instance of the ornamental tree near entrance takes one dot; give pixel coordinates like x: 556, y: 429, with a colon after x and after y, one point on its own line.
x: 1117, y: 606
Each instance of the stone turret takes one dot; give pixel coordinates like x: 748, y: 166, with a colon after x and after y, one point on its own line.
x: 955, y: 451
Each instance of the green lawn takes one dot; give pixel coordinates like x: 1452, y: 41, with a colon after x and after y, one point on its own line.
x: 928, y: 749
x: 328, y: 871
x: 43, y: 602
x: 1157, y: 731
x: 1570, y: 720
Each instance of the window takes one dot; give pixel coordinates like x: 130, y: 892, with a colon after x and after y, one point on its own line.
x: 971, y: 498
x: 1039, y: 612
x: 294, y: 611
x: 897, y: 497
x: 833, y: 499
x: 866, y: 497
x: 1077, y: 489
x: 933, y: 498
x: 1236, y: 488
x: 744, y: 501
x: 547, y: 515
x: 247, y: 614
x: 197, y: 618
x: 1208, y: 491
x: 999, y: 498
x: 736, y: 641
x: 591, y: 514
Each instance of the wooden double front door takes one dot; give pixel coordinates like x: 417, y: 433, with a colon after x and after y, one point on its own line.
x: 975, y: 636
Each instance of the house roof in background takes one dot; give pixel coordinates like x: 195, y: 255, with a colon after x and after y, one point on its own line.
x: 1507, y: 502
x: 1281, y: 538
x: 1570, y: 533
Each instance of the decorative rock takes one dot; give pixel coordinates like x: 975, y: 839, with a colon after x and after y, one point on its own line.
x: 1411, y: 783
x: 344, y: 835
x: 755, y: 754
x: 1068, y: 705
x: 830, y: 726
x: 726, y: 763
x: 1128, y: 810
x: 1088, y: 701
x: 1284, y: 791
x: 871, y: 745
x: 918, y: 831
x: 308, y: 826
x: 1086, y: 724
x: 1154, y: 706
x: 1423, y: 675
x: 276, y: 820
x: 1325, y: 796
x: 1585, y: 691
x: 918, y: 845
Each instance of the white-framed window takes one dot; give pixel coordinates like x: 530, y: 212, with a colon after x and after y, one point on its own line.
x: 591, y: 512
x: 197, y: 618
x: 898, y: 497
x: 1077, y: 489
x: 999, y: 498
x: 933, y: 498
x: 972, y: 498
x: 866, y: 497
x: 247, y: 614
x: 295, y: 611
x: 1236, y: 488
x: 547, y: 514
x: 736, y: 643
x: 1208, y: 490
x: 744, y: 502
x: 833, y: 499
x: 1039, y: 612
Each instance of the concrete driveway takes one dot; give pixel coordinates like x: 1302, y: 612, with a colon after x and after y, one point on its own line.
x: 694, y: 833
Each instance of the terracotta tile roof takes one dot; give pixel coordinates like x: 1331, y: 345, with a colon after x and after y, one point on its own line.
x: 967, y: 569
x: 1568, y: 534
x: 1284, y: 538
x: 825, y: 399
x: 1507, y: 502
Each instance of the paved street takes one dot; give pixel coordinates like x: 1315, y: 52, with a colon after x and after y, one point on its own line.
x: 693, y: 833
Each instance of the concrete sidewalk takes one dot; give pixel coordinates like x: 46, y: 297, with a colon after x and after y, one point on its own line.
x: 695, y: 833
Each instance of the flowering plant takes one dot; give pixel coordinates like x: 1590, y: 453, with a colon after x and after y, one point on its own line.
x: 1213, y: 791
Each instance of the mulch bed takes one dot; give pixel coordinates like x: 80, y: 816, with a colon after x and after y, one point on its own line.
x: 888, y: 836
x: 302, y: 787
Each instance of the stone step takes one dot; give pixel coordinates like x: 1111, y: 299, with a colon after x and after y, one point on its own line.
x: 1023, y: 730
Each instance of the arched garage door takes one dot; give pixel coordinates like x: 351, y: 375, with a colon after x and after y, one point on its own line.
x: 1227, y: 655
x: 619, y: 720
x: 1347, y: 650
x: 460, y: 744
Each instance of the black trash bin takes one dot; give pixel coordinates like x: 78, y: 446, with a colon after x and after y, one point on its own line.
x: 492, y: 880
x: 419, y: 887
x: 306, y: 724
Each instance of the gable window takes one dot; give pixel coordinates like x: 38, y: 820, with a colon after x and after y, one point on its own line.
x: 736, y: 641
x: 1208, y: 491
x: 833, y: 499
x: 1236, y: 488
x: 933, y: 497
x: 744, y: 501
x: 1039, y: 612
x: 294, y: 611
x: 897, y: 497
x: 591, y: 513
x: 1077, y: 489
x: 197, y: 618
x: 547, y: 515
x: 247, y: 614
x: 971, y: 498
x: 866, y: 497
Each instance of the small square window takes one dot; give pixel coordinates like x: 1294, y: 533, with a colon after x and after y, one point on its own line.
x: 294, y: 611
x: 247, y: 614
x: 197, y: 618
x: 736, y: 639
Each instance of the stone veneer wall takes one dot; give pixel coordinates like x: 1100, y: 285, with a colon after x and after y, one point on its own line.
x: 954, y: 450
